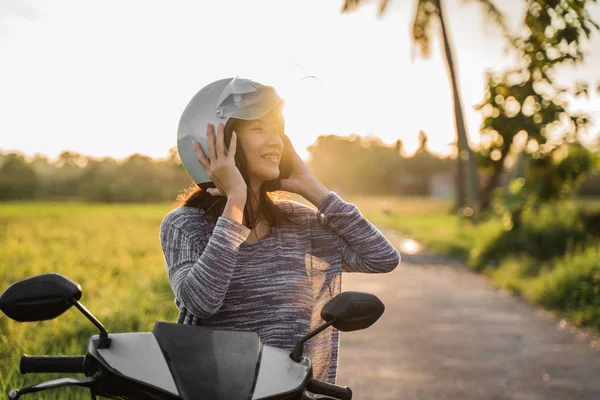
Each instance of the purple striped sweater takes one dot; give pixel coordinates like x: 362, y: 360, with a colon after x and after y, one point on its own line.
x: 275, y: 286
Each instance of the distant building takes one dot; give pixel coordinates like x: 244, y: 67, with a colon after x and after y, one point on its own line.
x: 441, y: 185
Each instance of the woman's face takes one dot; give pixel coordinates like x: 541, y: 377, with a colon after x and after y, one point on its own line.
x: 263, y: 145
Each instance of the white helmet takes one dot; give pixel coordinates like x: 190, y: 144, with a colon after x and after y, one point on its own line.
x: 217, y: 102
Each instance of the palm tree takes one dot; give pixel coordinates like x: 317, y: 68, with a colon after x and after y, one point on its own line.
x: 426, y: 12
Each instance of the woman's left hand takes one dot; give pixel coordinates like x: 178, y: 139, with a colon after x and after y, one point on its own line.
x: 303, y: 182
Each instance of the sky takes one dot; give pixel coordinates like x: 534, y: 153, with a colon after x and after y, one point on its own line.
x: 113, y: 78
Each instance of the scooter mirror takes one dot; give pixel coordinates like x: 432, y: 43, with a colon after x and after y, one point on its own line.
x: 352, y: 311
x: 39, y: 298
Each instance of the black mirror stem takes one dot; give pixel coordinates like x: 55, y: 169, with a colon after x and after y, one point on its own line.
x: 104, y: 342
x: 296, y: 354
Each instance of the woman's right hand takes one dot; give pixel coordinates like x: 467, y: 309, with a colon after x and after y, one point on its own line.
x: 221, y: 168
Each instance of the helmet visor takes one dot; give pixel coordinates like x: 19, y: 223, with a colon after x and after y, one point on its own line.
x: 244, y: 99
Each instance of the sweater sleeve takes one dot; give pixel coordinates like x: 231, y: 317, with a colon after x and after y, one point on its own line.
x: 199, y: 273
x: 364, y: 248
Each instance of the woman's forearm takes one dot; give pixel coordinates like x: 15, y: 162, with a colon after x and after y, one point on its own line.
x: 364, y: 247
x: 234, y: 209
x: 314, y: 192
x: 200, y: 271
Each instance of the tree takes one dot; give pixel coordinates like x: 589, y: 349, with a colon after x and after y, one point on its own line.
x: 71, y: 159
x: 527, y: 100
x: 423, y: 165
x: 423, y: 139
x: 376, y: 168
x: 427, y: 12
x: 18, y: 180
x: 399, y: 147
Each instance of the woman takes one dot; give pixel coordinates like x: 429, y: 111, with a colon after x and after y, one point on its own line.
x: 238, y: 258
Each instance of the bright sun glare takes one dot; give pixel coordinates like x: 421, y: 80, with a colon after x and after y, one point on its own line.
x: 304, y: 111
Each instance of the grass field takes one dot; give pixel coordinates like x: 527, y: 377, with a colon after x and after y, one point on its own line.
x: 114, y: 252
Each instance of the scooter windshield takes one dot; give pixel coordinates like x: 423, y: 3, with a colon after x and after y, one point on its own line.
x: 208, y: 363
x: 244, y: 99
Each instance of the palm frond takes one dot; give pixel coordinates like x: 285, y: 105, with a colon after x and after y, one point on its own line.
x: 425, y: 12
x: 353, y: 5
x: 494, y: 15
x: 382, y: 6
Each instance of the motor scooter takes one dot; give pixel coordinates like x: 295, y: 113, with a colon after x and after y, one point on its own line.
x: 177, y: 361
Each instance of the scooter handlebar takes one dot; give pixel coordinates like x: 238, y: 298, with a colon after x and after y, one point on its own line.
x: 41, y: 364
x: 339, y: 392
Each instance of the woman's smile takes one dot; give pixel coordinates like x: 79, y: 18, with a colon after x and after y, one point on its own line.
x: 272, y: 158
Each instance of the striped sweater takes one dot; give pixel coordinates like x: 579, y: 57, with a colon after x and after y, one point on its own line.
x: 275, y: 286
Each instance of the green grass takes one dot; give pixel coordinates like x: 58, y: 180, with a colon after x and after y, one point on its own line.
x: 113, y: 251
x: 569, y: 285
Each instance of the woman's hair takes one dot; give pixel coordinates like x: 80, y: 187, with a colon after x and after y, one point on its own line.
x: 214, y: 205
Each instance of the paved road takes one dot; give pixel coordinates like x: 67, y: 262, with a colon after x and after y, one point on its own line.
x: 448, y: 334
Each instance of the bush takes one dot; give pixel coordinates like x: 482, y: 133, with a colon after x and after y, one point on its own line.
x: 591, y: 221
x: 568, y: 284
x: 573, y: 286
x: 544, y: 233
